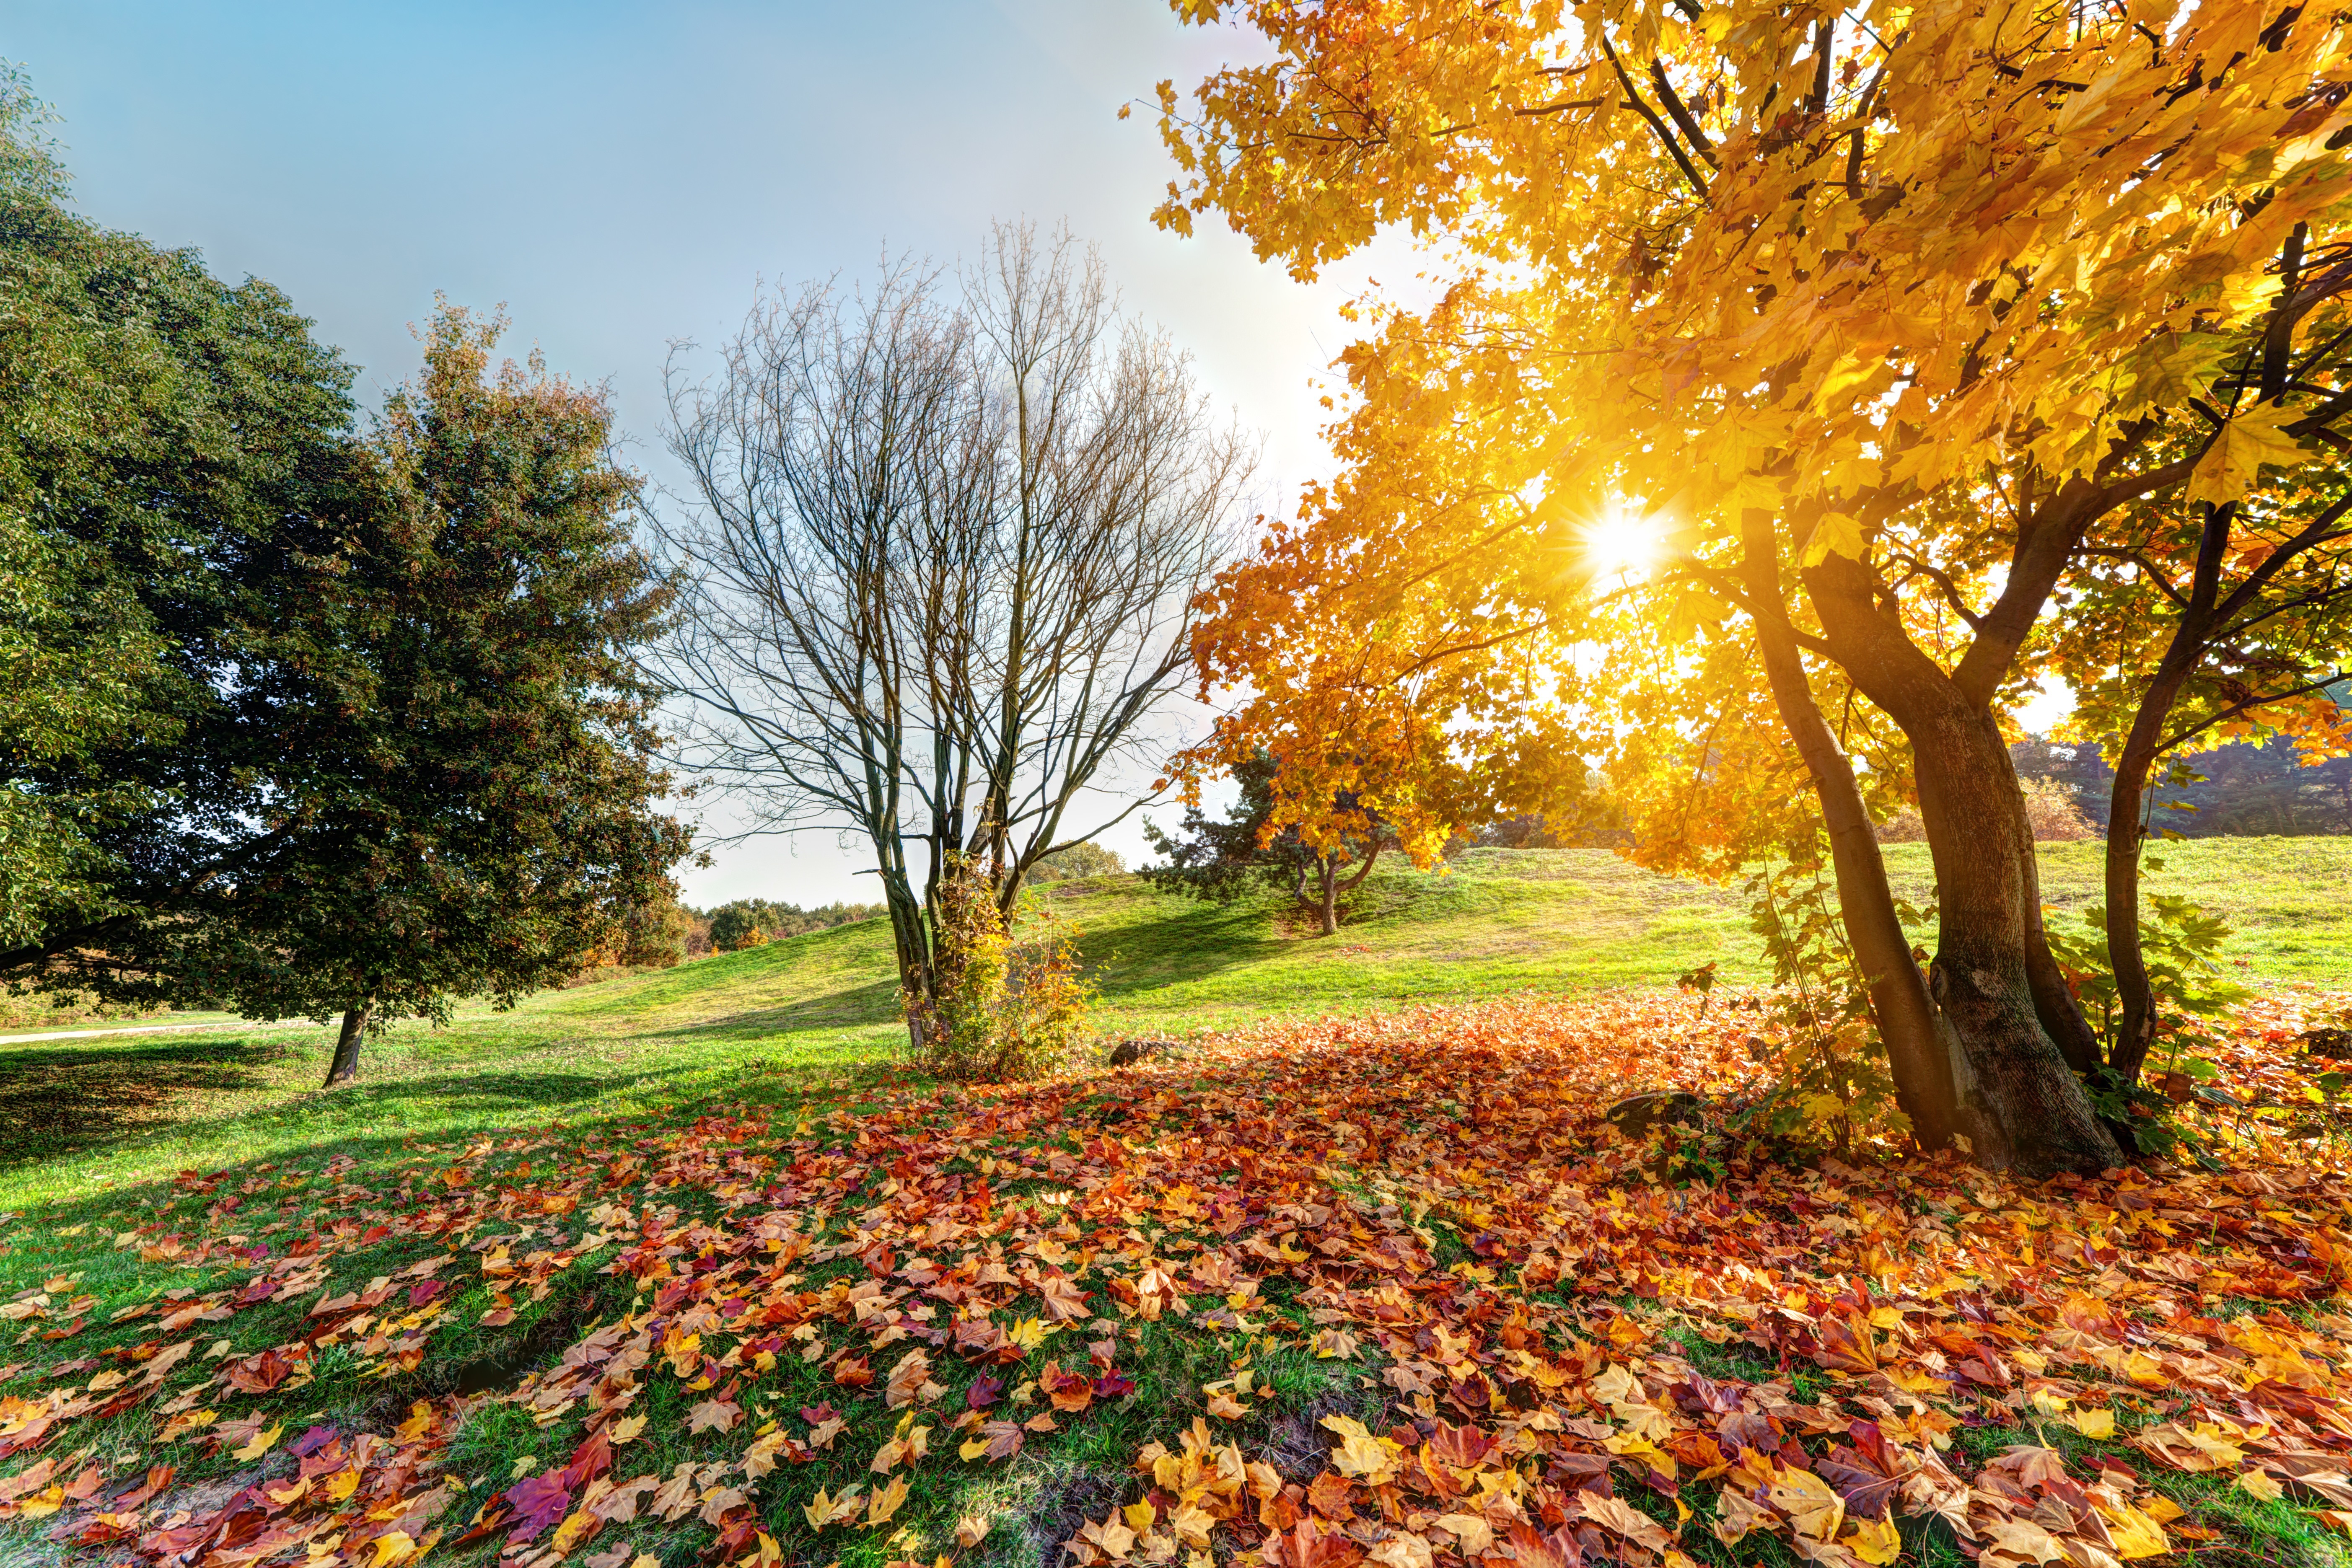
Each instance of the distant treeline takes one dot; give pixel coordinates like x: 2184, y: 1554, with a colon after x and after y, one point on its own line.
x: 749, y: 922
x: 2241, y: 790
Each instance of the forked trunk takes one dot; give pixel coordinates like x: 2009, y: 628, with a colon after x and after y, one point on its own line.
x: 1918, y: 1048
x: 1990, y: 918
x: 345, y: 1067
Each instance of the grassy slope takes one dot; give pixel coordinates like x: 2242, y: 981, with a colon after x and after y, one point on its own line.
x: 88, y: 1114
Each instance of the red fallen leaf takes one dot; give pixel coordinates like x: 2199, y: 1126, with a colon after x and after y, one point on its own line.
x: 851, y: 1372
x: 258, y: 1374
x: 985, y: 1392
x: 107, y: 1527
x: 539, y: 1502
x: 1460, y: 1447
x: 311, y: 1441
x: 420, y: 1295
x: 1867, y: 1474
x: 589, y: 1461
x: 817, y: 1415
x: 1114, y: 1385
x: 1308, y: 1546
x: 1071, y: 1391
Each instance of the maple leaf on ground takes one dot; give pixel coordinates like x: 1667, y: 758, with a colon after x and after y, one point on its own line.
x: 1361, y: 1456
x: 1063, y: 1301
x: 985, y: 1392
x: 539, y: 1502
x: 1610, y: 1514
x: 997, y: 1440
x: 883, y: 1503
x: 1069, y: 1391
x: 910, y: 1382
x: 1868, y: 1474
x: 714, y: 1415
x: 261, y: 1443
x: 823, y: 1509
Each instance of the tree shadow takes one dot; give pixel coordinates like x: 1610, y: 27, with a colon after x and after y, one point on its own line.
x: 58, y: 1099
x: 875, y: 1002
x: 1202, y: 941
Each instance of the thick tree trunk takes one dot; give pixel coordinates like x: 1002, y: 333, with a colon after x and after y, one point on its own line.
x: 1989, y: 917
x: 2054, y: 1000
x: 1328, y: 912
x: 1920, y: 1050
x: 345, y: 1067
x: 2009, y: 1072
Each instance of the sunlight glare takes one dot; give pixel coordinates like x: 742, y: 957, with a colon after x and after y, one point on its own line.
x: 1621, y: 542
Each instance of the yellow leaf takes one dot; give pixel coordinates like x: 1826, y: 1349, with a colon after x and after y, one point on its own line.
x: 392, y: 1548
x: 1807, y: 1500
x: 2233, y: 461
x: 263, y: 1441
x: 1874, y: 1541
x: 626, y: 1427
x: 883, y: 1503
x: 1360, y: 1456
x: 2260, y: 1484
x: 1835, y: 534
x: 2093, y: 1423
x: 1470, y: 1529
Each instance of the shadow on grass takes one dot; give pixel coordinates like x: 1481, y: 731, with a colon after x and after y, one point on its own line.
x: 876, y: 1002
x: 60, y: 1099
x: 1194, y: 946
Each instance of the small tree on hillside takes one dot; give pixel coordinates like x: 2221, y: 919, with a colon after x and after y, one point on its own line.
x: 1221, y: 861
x: 466, y: 790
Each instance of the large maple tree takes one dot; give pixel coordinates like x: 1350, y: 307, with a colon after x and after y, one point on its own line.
x: 1877, y: 314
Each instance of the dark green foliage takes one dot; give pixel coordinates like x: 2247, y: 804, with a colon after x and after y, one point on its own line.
x: 167, y: 443
x: 462, y: 798
x: 731, y: 923
x: 1222, y: 861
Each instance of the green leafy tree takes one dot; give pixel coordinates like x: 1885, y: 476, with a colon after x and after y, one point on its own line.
x: 1221, y: 861
x: 470, y: 779
x: 168, y: 445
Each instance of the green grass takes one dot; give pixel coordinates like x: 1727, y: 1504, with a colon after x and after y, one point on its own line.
x: 810, y: 1023
x: 816, y: 1010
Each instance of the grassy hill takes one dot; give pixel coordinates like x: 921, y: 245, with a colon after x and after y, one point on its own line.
x: 822, y: 1007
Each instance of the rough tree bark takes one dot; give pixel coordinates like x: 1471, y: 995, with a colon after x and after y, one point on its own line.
x: 345, y: 1066
x: 1989, y: 908
x: 1918, y: 1048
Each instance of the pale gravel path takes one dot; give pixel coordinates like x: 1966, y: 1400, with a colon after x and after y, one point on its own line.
x: 157, y: 1029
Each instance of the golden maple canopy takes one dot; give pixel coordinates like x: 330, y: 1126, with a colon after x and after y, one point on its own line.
x: 1879, y: 313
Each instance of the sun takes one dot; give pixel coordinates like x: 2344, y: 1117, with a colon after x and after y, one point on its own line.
x: 1620, y: 542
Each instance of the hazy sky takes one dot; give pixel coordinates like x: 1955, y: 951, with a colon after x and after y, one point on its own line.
x: 619, y: 177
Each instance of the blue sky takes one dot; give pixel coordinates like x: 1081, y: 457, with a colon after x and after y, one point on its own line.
x: 619, y: 177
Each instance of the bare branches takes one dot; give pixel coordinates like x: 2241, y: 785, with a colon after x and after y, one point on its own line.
x: 944, y: 551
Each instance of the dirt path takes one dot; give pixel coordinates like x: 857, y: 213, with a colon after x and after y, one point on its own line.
x: 155, y: 1029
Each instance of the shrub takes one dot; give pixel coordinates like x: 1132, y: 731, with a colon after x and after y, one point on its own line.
x: 2049, y: 806
x: 1079, y: 861
x: 998, y: 1009
x: 735, y: 925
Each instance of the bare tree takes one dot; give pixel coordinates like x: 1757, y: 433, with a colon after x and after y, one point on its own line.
x: 943, y: 555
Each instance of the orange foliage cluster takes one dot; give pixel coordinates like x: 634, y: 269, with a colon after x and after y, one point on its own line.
x: 1435, y: 1195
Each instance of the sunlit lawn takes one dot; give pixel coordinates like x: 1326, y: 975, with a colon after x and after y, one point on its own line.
x: 88, y: 1114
